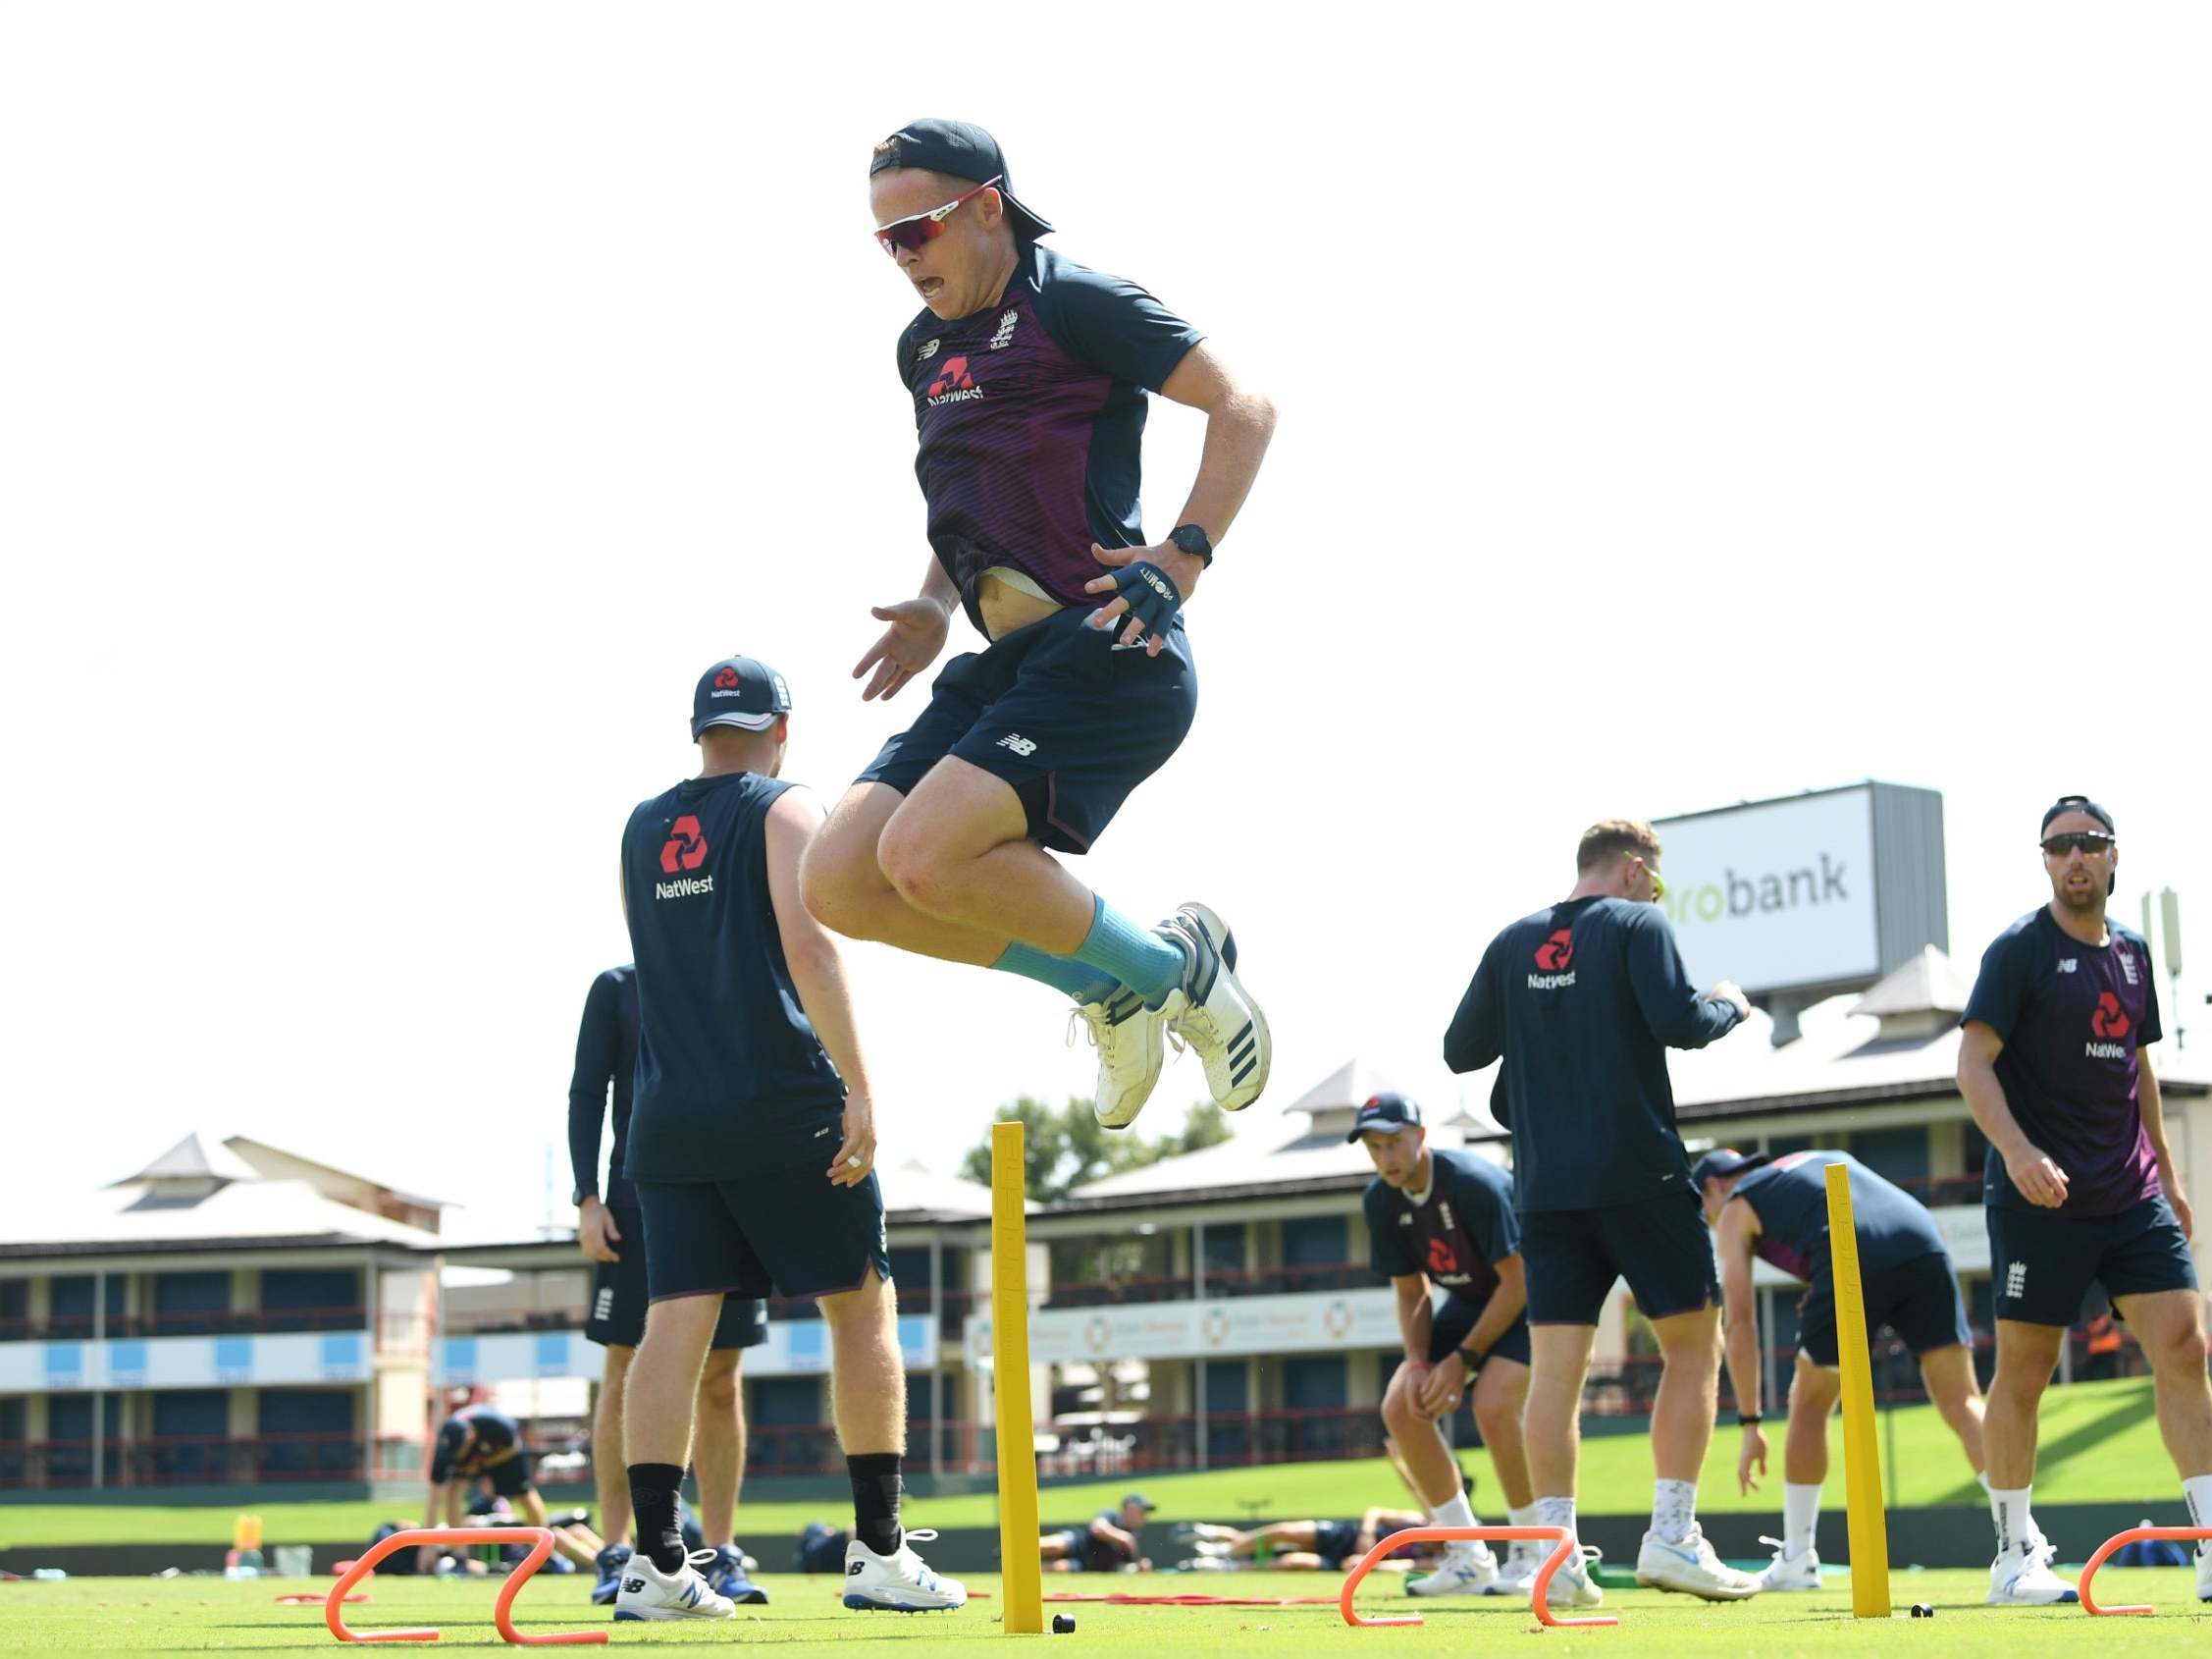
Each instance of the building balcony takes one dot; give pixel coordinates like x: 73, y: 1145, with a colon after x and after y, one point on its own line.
x: 195, y: 1460
x: 1218, y: 1283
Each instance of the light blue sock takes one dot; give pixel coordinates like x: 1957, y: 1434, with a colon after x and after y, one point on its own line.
x: 1135, y: 955
x: 1078, y: 980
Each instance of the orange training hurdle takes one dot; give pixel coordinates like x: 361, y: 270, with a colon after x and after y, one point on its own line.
x: 1558, y: 1536
x: 541, y: 1541
x: 2088, y: 1603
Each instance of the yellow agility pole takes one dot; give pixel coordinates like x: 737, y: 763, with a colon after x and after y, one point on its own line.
x: 1024, y: 1583
x: 1867, y: 1523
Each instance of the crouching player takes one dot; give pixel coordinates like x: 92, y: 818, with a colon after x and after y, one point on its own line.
x: 1777, y: 1209
x: 480, y: 1441
x: 1447, y: 1218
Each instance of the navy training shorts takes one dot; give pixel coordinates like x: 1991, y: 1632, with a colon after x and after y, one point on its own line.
x: 2041, y: 1263
x: 1658, y: 1245
x: 511, y: 1478
x: 1919, y: 1299
x: 1450, y: 1325
x: 1052, y: 709
x: 771, y: 1232
x: 618, y: 1296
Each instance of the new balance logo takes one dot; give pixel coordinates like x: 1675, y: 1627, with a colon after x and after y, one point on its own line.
x: 633, y: 1586
x: 2069, y: 964
x: 2016, y: 1282
x: 1405, y: 1220
x: 854, y: 1568
x: 1023, y: 746
x: 602, y: 1307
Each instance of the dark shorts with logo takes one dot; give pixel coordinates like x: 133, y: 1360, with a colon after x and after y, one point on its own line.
x: 1919, y: 1299
x: 1073, y: 1540
x: 1658, y: 1245
x: 511, y: 1476
x: 773, y: 1232
x: 1335, y: 1541
x: 2041, y: 1263
x: 1072, y: 724
x: 618, y: 1296
x: 1450, y: 1325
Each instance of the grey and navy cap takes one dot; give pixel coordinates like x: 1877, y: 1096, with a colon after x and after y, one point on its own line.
x: 739, y: 691
x: 963, y: 150
x: 1722, y: 1162
x: 2078, y: 803
x: 1389, y: 1111
x: 1141, y: 1501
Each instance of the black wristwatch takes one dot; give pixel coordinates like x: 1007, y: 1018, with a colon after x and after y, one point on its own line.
x: 1470, y: 1359
x: 1749, y: 1419
x: 1192, y: 540
x: 578, y: 1196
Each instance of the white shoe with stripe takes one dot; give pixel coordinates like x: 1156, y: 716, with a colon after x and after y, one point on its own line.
x: 647, y: 1592
x: 1211, y: 1011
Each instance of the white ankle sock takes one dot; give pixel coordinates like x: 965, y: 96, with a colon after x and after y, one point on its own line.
x: 1456, y: 1513
x: 1556, y: 1511
x: 2007, y: 1508
x: 2197, y: 1490
x: 1674, y: 1509
x: 1801, y: 1518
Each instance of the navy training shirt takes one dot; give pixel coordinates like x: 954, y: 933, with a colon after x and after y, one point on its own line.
x: 1030, y: 421
x: 1456, y: 1235
x: 607, y: 1053
x: 731, y: 1077
x: 2073, y: 1018
x: 1103, y: 1555
x: 1583, y: 1000
x: 1790, y: 1198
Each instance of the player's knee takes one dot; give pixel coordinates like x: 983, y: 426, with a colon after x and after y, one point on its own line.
x: 913, y: 863
x: 1495, y: 1418
x: 2180, y: 1352
x: 717, y: 1391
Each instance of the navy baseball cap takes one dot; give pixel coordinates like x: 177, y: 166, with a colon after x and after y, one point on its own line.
x: 2078, y: 803
x: 1388, y: 1111
x: 741, y: 692
x: 1141, y: 1501
x: 963, y: 150
x: 1724, y: 1161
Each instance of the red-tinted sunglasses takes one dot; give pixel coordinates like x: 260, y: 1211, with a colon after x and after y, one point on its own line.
x: 915, y: 232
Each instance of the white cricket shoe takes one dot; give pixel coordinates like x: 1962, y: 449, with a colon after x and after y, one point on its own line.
x: 1133, y: 1045
x: 1571, y: 1586
x: 1518, y: 1570
x: 1465, y: 1571
x: 901, y: 1582
x: 1691, y: 1567
x: 647, y: 1592
x: 2022, y: 1576
x: 2205, y: 1570
x: 1211, y: 1011
x: 1788, y: 1571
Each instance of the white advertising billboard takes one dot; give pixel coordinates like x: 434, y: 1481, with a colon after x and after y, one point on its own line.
x: 1776, y: 895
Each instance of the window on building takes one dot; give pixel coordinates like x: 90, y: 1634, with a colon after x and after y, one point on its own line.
x: 1312, y: 1244
x: 306, y: 1433
x: 910, y: 1271
x: 783, y: 1402
x: 14, y: 1462
x: 311, y: 1299
x: 14, y: 1310
x: 68, y: 1436
x: 1781, y: 1146
x: 1314, y: 1383
x: 1895, y: 1155
x: 68, y: 1304
x: 1229, y: 1400
x: 190, y: 1303
x: 191, y: 1434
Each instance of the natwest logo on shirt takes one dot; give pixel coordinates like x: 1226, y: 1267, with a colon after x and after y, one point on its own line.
x: 686, y: 848
x: 1552, y: 957
x: 954, y: 383
x: 2109, y: 1021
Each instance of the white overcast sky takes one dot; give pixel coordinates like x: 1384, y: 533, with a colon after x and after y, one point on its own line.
x: 400, y: 404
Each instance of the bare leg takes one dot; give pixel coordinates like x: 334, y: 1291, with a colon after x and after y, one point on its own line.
x: 1948, y: 1376
x: 718, y: 1454
x: 1500, y: 1396
x: 1814, y: 1392
x: 533, y: 1507
x: 663, y: 1382
x: 958, y: 850
x: 609, y: 1469
x: 845, y: 889
x: 1552, y: 1425
x: 2170, y: 1326
x: 1688, y: 1392
x: 1428, y: 1461
x: 2026, y: 1355
x: 867, y: 1380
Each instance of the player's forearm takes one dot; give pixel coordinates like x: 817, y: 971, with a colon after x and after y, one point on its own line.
x: 584, y: 1119
x: 2152, y: 1108
x: 1986, y: 1100
x: 1744, y: 1378
x: 1237, y: 429
x: 938, y: 587
x: 1415, y: 1322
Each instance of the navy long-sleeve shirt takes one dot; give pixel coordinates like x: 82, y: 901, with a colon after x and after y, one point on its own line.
x: 606, y: 1052
x: 1583, y: 999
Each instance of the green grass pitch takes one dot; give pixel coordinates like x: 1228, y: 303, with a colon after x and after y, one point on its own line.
x: 213, y: 1615
x: 2099, y: 1442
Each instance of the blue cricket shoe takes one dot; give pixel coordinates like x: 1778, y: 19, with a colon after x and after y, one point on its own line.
x: 726, y: 1575
x: 609, y: 1562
